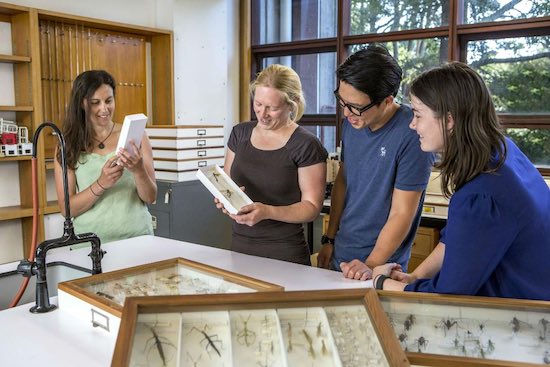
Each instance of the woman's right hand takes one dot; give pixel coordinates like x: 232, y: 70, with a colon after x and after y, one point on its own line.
x: 403, y: 277
x: 110, y: 173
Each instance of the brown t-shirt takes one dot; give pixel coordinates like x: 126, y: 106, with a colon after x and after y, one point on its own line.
x: 271, y: 177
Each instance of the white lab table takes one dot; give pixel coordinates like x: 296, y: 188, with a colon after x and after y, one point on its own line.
x: 58, y: 338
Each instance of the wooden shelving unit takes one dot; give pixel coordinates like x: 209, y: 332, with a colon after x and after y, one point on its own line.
x: 33, y: 91
x: 25, y: 59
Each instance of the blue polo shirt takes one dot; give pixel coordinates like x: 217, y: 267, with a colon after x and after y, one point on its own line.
x: 376, y: 163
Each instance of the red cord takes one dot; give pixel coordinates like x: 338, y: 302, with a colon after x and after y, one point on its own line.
x: 32, y: 251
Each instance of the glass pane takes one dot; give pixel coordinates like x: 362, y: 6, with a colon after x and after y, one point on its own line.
x: 327, y: 135
x: 535, y: 143
x: 480, y: 11
x: 317, y: 72
x: 285, y: 21
x: 516, y: 70
x: 414, y: 57
x: 380, y: 16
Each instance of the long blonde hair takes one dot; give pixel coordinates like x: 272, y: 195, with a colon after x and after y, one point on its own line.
x: 287, y: 82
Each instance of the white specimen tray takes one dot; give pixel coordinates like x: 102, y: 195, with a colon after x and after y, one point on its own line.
x: 132, y: 129
x: 223, y: 188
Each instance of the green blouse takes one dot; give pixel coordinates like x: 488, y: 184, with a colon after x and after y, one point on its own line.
x: 119, y: 213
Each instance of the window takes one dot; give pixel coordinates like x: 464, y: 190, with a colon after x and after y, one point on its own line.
x: 285, y: 21
x: 507, y: 42
x: 384, y: 16
x: 481, y: 11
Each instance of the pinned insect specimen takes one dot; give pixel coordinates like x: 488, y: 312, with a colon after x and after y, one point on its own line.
x: 546, y: 358
x: 158, y: 343
x: 103, y: 294
x: 289, y: 333
x: 227, y: 193
x: 421, y: 343
x: 516, y: 324
x: 195, y: 361
x: 319, y: 329
x: 409, y: 322
x: 403, y: 340
x: 310, y: 349
x: 210, y: 341
x: 446, y: 324
x: 324, y: 349
x: 544, y: 326
x: 216, y: 176
x: 246, y: 336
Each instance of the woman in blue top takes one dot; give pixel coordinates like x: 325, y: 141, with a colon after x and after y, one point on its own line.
x: 497, y: 237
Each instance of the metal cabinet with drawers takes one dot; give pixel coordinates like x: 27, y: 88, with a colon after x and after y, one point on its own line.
x: 186, y: 211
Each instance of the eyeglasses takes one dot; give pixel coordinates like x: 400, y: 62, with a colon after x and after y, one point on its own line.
x: 357, y: 111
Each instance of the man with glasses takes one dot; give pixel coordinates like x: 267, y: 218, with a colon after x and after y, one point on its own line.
x: 377, y: 196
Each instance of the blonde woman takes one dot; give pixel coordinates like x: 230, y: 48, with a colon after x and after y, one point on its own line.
x: 282, y: 168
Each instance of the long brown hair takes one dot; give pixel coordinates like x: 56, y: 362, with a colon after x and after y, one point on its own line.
x: 475, y: 139
x: 76, y: 130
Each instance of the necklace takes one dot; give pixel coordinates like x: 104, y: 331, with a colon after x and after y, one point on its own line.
x: 101, y: 145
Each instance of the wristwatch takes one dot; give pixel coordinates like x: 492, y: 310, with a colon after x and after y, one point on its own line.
x: 327, y: 239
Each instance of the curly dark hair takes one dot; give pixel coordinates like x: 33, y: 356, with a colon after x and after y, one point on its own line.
x: 77, y: 133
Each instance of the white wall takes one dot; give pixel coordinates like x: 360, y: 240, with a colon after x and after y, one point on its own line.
x: 206, y: 62
x: 206, y: 66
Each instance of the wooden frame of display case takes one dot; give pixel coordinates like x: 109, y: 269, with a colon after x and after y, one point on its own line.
x: 79, y: 288
x: 483, y: 324
x: 364, y: 301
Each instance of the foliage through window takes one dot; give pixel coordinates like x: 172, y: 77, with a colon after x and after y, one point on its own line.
x: 506, y: 41
x: 381, y: 16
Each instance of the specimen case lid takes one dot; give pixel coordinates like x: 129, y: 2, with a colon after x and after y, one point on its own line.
x: 108, y: 291
x: 339, y: 302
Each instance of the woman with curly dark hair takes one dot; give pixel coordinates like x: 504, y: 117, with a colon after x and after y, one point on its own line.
x: 108, y: 190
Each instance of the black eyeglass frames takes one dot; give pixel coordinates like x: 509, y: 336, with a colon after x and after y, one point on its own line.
x: 357, y: 111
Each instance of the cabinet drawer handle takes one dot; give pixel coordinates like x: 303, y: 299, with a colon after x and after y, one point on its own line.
x: 201, y: 132
x: 201, y: 143
x: 202, y: 163
x: 201, y: 153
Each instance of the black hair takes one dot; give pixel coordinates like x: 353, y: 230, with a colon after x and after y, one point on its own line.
x: 373, y: 71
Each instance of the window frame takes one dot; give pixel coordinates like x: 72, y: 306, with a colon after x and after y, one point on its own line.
x: 457, y: 33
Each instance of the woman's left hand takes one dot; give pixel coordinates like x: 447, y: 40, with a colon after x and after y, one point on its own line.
x: 132, y: 161
x: 251, y: 214
x: 386, y: 269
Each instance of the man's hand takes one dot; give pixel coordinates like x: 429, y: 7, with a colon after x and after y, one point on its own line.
x: 325, y: 256
x: 356, y: 269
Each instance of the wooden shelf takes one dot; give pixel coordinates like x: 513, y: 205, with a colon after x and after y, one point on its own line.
x: 16, y: 158
x: 13, y: 59
x: 17, y: 108
x: 49, y: 164
x: 51, y: 207
x: 14, y: 212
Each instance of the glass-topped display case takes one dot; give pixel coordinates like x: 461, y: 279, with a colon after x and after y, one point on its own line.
x: 309, y: 328
x: 448, y: 330
x: 176, y: 276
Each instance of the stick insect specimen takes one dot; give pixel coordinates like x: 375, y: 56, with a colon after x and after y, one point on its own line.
x: 310, y: 349
x: 246, y: 336
x: 158, y: 343
x: 210, y: 341
x: 195, y: 361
